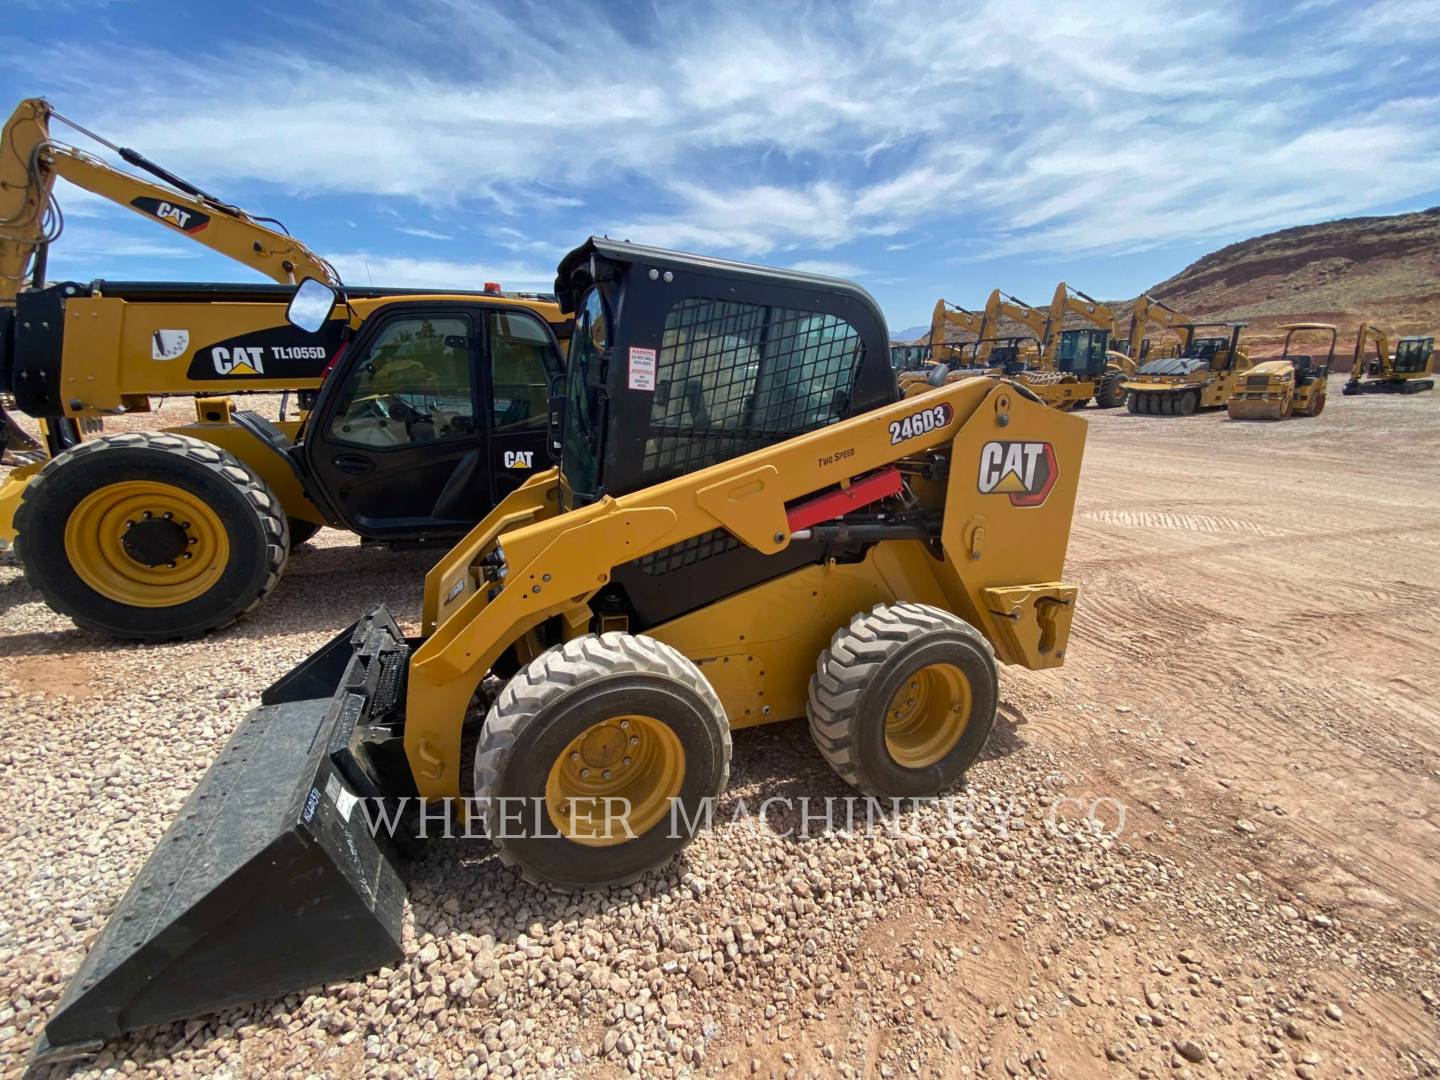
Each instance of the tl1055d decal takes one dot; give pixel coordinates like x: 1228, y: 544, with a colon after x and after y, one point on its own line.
x: 1025, y: 471
x: 920, y: 423
x: 281, y: 353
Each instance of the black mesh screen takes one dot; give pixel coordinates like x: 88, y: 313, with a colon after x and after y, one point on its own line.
x: 733, y: 377
x: 688, y: 552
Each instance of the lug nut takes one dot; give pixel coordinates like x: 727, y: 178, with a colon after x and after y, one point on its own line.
x: 574, y: 755
x: 584, y: 773
x: 627, y: 762
x: 634, y: 740
x: 605, y: 775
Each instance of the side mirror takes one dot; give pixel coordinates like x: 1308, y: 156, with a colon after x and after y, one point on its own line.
x: 311, y: 305
x: 554, y: 439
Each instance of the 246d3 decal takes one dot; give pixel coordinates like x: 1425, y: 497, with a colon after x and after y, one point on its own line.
x: 920, y: 423
x: 1025, y: 471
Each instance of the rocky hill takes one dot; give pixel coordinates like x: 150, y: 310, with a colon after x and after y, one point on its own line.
x: 1382, y: 269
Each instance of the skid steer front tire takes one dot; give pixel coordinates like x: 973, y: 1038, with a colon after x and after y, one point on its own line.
x: 903, y: 699
x: 600, y: 760
x: 150, y: 536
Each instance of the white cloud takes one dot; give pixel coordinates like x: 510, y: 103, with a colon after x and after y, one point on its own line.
x: 1011, y: 127
x: 368, y: 268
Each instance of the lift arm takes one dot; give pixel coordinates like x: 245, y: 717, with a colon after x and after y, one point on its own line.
x: 30, y: 219
x: 1367, y: 333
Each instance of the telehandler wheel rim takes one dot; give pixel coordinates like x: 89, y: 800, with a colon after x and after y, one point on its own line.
x: 626, y: 767
x: 146, y: 544
x: 927, y: 715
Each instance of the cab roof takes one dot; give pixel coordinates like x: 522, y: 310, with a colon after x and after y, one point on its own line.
x: 578, y: 271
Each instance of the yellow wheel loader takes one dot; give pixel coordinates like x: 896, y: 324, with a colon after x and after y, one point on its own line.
x: 1203, y: 376
x: 1293, y: 385
x: 420, y: 410
x: 1406, y: 370
x: 746, y: 525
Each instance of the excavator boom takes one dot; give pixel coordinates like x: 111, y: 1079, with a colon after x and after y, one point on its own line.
x: 30, y: 217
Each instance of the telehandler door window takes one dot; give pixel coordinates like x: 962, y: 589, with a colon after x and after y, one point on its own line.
x: 414, y: 387
x: 520, y: 381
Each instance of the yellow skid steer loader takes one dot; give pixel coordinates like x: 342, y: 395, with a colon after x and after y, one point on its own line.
x: 746, y: 525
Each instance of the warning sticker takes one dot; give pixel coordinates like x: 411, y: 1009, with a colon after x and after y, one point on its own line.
x: 642, y: 369
x: 343, y: 799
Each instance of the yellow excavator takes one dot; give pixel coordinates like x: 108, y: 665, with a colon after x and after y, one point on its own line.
x: 1407, y: 370
x: 947, y: 316
x: 1293, y: 385
x: 1149, y: 310
x: 746, y: 525
x: 428, y: 407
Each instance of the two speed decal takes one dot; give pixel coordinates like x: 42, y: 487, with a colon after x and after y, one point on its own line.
x: 1025, y: 471
x: 921, y: 423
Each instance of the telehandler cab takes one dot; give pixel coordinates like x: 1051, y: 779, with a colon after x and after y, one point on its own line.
x: 746, y: 525
x: 434, y: 406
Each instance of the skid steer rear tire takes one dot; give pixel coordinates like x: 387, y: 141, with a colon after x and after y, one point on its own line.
x: 583, y: 705
x: 903, y: 699
x: 104, y: 528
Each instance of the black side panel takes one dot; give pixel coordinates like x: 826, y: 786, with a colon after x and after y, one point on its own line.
x: 7, y: 350
x: 701, y: 570
x: 38, y: 344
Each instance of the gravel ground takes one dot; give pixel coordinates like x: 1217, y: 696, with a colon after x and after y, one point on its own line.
x: 1249, y: 697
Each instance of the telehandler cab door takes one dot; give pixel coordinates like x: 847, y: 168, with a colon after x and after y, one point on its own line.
x: 435, y: 413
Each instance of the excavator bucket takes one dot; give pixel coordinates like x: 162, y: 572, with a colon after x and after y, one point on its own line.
x: 271, y: 880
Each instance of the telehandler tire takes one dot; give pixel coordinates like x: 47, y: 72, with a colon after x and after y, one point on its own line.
x: 600, y: 760
x: 903, y: 699
x: 1111, y: 392
x: 150, y: 536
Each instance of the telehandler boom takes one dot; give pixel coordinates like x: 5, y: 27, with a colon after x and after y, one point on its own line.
x: 31, y: 219
x: 745, y: 526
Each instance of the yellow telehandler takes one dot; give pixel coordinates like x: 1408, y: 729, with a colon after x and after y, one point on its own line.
x: 746, y: 525
x: 1293, y: 385
x: 421, y: 409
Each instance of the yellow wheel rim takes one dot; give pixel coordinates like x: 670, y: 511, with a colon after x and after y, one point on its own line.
x: 927, y: 715
x: 146, y: 544
x: 615, y: 780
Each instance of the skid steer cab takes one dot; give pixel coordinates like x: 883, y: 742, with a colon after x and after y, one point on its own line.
x: 424, y: 411
x: 747, y: 525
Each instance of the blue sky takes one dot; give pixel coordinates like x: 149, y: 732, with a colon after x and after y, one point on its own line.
x: 921, y: 149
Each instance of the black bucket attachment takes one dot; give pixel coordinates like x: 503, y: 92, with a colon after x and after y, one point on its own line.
x: 271, y: 879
